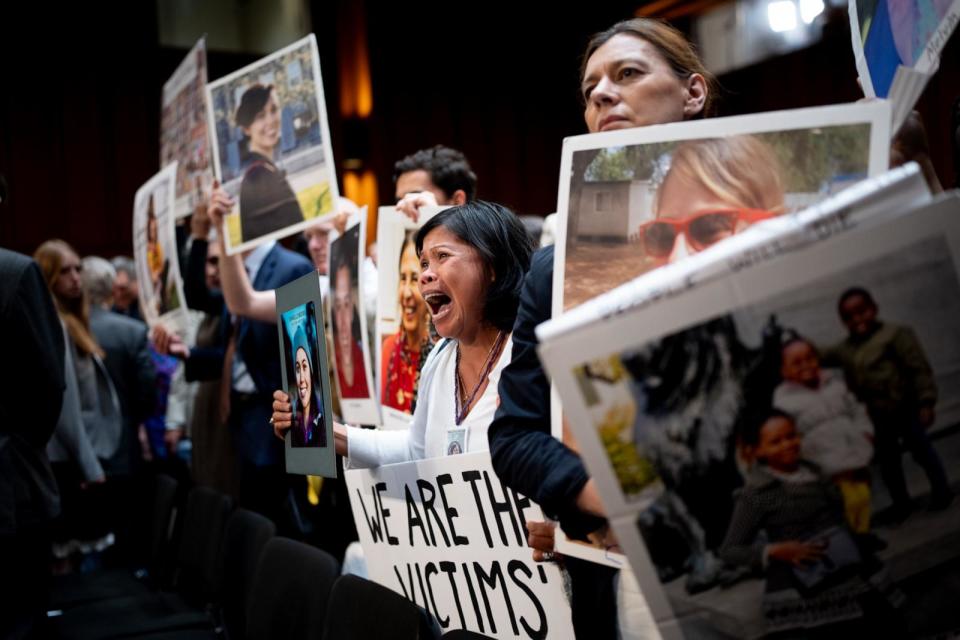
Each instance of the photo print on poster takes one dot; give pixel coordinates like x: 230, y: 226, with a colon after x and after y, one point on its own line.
x: 354, y: 379
x: 637, y: 200
x: 404, y: 329
x: 309, y: 443
x: 155, y: 252
x: 304, y: 386
x: 644, y: 198
x: 268, y: 123
x: 183, y: 131
x: 808, y: 405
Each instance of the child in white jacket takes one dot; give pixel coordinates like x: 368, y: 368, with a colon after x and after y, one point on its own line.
x: 836, y: 434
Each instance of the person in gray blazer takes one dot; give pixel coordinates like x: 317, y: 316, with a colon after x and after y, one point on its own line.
x: 127, y: 359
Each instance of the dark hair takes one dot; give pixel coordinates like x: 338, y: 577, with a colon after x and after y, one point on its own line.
x: 504, y: 244
x: 851, y: 293
x: 253, y: 101
x: 448, y: 169
x: 793, y: 338
x: 679, y: 53
x: 752, y: 426
x: 346, y: 255
x: 409, y: 237
x: 346, y: 258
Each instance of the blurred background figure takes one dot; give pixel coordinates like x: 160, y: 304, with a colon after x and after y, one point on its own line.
x: 31, y: 395
x: 126, y: 293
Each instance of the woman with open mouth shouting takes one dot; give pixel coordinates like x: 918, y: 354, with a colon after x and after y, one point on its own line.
x: 472, y: 261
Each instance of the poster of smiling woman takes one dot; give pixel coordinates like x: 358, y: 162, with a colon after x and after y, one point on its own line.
x: 309, y: 442
x: 404, y: 336
x: 268, y: 123
x: 358, y: 403
x: 155, y: 251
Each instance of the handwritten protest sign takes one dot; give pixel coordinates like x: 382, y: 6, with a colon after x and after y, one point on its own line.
x: 449, y: 536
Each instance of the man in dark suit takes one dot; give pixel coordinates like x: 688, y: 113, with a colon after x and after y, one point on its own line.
x: 31, y: 395
x: 249, y: 363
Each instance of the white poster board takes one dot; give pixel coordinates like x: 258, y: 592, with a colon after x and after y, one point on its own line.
x: 621, y: 191
x: 183, y: 131
x: 155, y: 252
x: 348, y: 325
x: 449, y: 536
x: 272, y: 153
x: 403, y: 318
x: 643, y: 436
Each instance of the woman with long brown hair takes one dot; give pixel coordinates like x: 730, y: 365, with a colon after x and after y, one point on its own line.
x: 61, y: 269
x: 89, y: 399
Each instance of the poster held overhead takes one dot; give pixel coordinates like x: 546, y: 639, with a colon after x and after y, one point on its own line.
x: 183, y: 131
x: 268, y: 124
x: 308, y: 445
x: 155, y: 252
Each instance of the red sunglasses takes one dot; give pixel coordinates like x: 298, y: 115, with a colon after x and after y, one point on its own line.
x: 701, y: 229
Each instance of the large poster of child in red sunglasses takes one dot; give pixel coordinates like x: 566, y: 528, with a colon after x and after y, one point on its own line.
x: 637, y: 201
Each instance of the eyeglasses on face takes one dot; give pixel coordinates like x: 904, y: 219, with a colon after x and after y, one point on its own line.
x: 701, y: 229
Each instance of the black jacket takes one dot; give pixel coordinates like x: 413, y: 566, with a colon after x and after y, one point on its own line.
x: 524, y: 453
x: 31, y: 394
x: 529, y: 459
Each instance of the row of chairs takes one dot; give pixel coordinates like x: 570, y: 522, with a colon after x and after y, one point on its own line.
x: 229, y: 576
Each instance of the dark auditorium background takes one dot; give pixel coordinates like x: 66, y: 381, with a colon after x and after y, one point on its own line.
x: 80, y: 103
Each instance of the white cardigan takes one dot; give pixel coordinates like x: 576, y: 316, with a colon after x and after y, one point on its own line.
x: 835, y: 432
x: 427, y: 434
